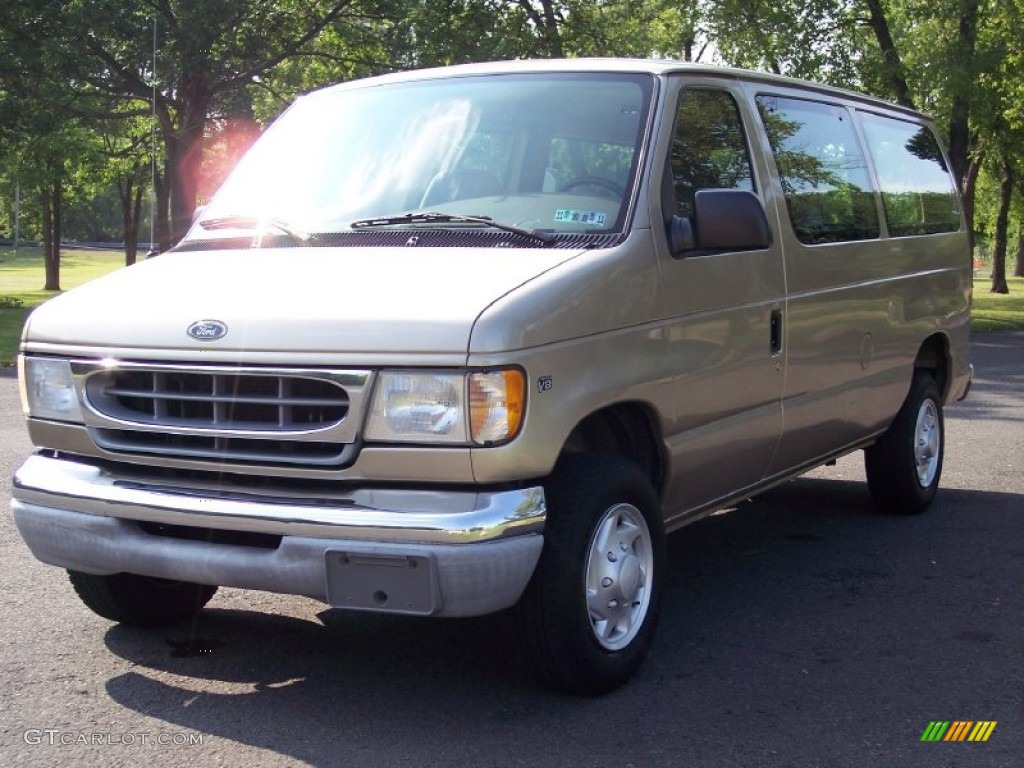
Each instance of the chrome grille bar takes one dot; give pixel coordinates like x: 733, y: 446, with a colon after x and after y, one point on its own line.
x: 217, y: 400
x: 249, y: 415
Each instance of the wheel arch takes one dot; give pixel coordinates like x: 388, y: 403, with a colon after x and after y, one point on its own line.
x: 933, y: 355
x: 629, y: 429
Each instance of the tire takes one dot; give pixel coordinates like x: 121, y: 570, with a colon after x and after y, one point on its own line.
x: 140, y: 601
x: 904, y: 466
x: 587, y: 618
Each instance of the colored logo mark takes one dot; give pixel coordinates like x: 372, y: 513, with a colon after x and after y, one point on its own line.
x: 958, y: 730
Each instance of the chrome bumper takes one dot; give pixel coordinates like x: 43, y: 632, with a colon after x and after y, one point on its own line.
x: 457, y: 553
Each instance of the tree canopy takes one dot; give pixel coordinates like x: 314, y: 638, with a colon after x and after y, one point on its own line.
x: 104, y: 101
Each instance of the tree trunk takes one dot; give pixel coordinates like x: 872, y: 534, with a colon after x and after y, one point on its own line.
x: 1002, y: 222
x: 185, y: 156
x: 47, y: 237
x: 58, y: 222
x: 895, y: 74
x: 136, y: 218
x: 551, y: 30
x: 129, y: 230
x: 688, y: 44
x: 546, y: 23
x: 959, y: 118
x: 51, y: 236
x: 163, y: 208
x: 1018, y: 270
x: 175, y: 190
x: 970, y: 185
x: 130, y: 191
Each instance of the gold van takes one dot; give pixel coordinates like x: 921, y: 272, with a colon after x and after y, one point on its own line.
x: 455, y: 341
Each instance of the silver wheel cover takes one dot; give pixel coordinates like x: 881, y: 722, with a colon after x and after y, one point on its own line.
x: 618, y: 577
x: 927, y: 443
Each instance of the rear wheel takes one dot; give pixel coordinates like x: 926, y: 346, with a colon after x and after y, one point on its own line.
x: 587, y: 618
x: 904, y: 466
x: 140, y: 600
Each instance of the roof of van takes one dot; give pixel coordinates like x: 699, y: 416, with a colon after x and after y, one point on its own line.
x: 648, y: 66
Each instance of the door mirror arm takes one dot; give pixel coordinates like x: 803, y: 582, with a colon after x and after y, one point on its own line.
x: 681, y: 236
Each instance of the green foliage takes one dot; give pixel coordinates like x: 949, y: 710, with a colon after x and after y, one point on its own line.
x: 87, y: 122
x: 813, y: 39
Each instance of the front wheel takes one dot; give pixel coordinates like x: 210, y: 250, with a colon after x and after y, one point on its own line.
x: 140, y: 600
x: 587, y: 618
x: 904, y: 466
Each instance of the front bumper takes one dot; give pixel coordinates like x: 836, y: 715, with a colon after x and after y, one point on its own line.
x: 445, y: 553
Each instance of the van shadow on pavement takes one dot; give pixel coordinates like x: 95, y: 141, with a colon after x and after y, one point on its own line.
x: 801, y: 607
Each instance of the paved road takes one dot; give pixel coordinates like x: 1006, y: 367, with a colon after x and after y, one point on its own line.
x: 800, y: 630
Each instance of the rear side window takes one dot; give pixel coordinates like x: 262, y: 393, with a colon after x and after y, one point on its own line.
x: 709, y: 148
x: 917, y: 189
x: 822, y: 168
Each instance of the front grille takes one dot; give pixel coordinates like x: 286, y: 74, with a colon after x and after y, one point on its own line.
x: 222, y: 448
x: 218, y: 401
x: 246, y: 416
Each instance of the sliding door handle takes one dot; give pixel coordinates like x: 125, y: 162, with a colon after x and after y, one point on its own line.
x: 776, y: 333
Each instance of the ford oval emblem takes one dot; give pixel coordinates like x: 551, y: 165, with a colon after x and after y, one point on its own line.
x: 207, y: 330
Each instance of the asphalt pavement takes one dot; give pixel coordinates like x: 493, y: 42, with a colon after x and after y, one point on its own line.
x: 800, y: 629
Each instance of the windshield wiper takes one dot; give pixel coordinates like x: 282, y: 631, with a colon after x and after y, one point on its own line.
x: 257, y: 223
x: 432, y: 217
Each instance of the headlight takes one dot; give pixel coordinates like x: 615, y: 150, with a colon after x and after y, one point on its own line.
x: 418, y: 407
x: 442, y: 407
x: 48, y: 389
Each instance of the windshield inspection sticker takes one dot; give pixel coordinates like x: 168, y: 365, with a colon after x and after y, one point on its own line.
x: 580, y: 217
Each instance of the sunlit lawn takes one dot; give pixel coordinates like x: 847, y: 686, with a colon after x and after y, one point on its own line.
x: 995, y: 311
x: 22, y: 278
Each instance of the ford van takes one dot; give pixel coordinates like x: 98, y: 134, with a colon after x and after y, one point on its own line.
x: 468, y: 340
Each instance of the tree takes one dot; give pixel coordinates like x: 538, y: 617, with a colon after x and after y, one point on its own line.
x: 1006, y: 184
x: 220, y: 64
x: 999, y: 119
x: 893, y: 71
x: 207, y: 52
x: 812, y: 39
x: 45, y: 145
x: 127, y: 146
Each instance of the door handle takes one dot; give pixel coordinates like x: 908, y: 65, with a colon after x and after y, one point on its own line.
x: 776, y: 333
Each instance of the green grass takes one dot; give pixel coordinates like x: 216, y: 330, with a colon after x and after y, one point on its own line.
x: 996, y: 311
x: 22, y: 278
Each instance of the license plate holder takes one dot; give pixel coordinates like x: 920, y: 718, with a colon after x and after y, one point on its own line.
x: 382, y: 582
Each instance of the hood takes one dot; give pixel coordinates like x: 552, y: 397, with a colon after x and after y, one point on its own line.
x: 317, y: 300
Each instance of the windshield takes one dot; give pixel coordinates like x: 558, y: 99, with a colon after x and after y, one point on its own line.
x: 551, y: 153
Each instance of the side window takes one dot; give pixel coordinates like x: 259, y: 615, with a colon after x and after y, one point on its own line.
x: 822, y: 168
x: 709, y: 148
x: 917, y: 190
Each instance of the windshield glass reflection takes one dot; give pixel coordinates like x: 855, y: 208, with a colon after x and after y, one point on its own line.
x: 547, y: 152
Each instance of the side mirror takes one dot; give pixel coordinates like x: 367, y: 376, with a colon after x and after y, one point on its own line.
x: 723, y: 220
x: 680, y: 235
